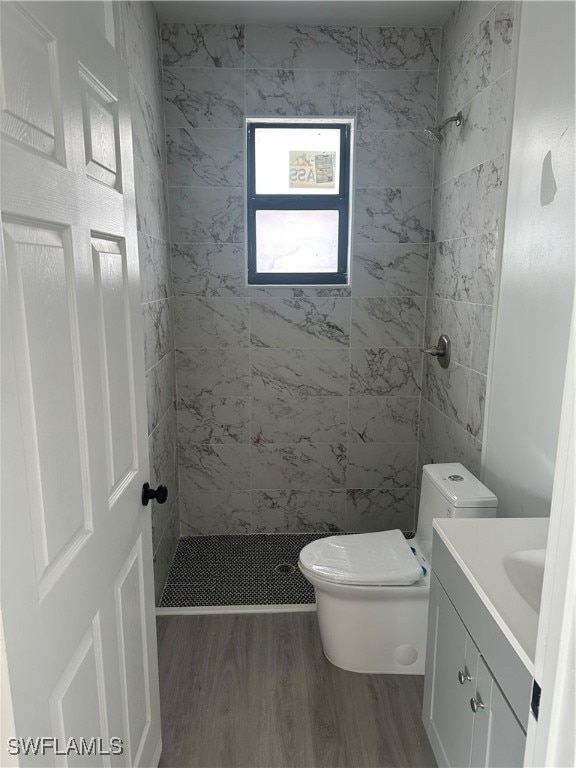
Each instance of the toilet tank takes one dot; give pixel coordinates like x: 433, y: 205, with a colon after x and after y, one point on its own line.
x: 450, y: 490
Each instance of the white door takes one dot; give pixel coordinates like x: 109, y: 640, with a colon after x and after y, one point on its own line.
x: 77, y: 583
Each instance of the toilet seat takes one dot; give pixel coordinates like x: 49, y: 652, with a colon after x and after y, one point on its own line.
x: 369, y: 559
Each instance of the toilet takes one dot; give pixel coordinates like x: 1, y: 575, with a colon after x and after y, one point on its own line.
x: 372, y: 588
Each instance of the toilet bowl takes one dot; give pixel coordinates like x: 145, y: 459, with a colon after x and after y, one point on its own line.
x: 372, y: 589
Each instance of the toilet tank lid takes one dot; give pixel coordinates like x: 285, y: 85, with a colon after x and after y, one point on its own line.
x: 465, y: 492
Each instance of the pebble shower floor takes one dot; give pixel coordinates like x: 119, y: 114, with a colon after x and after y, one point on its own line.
x: 238, y: 570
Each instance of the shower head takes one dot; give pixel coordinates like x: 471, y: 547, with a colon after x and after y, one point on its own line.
x: 433, y: 133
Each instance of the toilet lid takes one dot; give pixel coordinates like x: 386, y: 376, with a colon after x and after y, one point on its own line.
x: 382, y: 558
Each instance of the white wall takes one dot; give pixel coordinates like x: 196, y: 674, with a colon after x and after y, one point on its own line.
x: 537, y: 277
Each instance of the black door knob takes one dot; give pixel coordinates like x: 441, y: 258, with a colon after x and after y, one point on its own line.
x: 159, y: 494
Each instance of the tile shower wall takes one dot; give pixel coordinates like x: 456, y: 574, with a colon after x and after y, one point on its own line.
x: 138, y: 39
x: 298, y: 407
x: 475, y: 77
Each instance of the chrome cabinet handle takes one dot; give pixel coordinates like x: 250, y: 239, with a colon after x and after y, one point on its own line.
x: 476, y: 703
x: 463, y: 676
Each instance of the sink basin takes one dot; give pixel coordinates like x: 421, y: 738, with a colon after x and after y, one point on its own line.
x: 503, y: 559
x: 525, y: 569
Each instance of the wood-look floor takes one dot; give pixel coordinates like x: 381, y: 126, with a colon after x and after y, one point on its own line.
x: 255, y: 691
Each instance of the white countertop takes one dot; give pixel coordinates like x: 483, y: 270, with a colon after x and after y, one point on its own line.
x: 479, y: 547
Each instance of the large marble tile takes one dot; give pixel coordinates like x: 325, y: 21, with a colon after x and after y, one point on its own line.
x: 205, y: 513
x: 298, y: 511
x: 480, y: 337
x: 393, y: 158
x: 447, y: 389
x: 160, y: 389
x: 210, y: 419
x: 379, y: 509
x: 299, y: 372
x: 210, y: 322
x: 163, y: 458
x: 461, y: 22
x: 476, y: 403
x: 138, y: 42
x: 282, y: 46
x: 147, y: 130
x: 389, y: 269
x: 299, y: 322
x: 164, y: 554
x: 162, y: 519
x: 471, y: 203
x: 302, y: 92
x: 297, y: 419
x: 203, y: 45
x: 387, y: 322
x: 205, y: 157
x: 385, y: 372
x: 395, y: 215
x: 213, y: 468
x: 381, y: 465
x: 503, y: 39
x: 383, y: 419
x: 467, y: 71
x: 158, y: 331
x: 208, y: 269
x: 396, y: 99
x: 204, y: 215
x: 446, y: 441
x: 299, y: 291
x: 399, y: 48
x: 499, y: 116
x: 483, y: 132
x: 204, y: 98
x: 454, y: 318
x: 299, y: 466
x: 151, y: 209
x: 155, y: 278
x: 464, y: 269
x: 218, y: 372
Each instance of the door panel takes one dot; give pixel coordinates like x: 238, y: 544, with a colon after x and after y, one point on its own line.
x: 130, y: 608
x: 72, y: 710
x: 115, y: 344
x: 40, y: 277
x: 499, y: 740
x: 76, y: 551
x: 31, y: 107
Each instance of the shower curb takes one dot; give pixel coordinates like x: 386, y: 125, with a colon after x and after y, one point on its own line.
x: 215, y: 609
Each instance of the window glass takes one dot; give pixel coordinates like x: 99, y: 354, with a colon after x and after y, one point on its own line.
x: 298, y: 201
x: 297, y: 161
x: 297, y: 241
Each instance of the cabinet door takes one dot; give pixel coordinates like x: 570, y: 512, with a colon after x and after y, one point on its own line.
x: 450, y: 720
x: 498, y: 738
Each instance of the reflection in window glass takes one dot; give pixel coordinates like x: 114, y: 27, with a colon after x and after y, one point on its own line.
x: 297, y: 161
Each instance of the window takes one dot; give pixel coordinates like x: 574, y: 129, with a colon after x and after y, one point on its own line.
x: 298, y: 187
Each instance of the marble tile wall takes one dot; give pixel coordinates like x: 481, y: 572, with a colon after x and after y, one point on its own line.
x: 469, y: 171
x: 138, y: 39
x: 297, y: 408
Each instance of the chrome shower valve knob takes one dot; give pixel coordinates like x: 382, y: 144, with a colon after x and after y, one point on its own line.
x: 441, y: 351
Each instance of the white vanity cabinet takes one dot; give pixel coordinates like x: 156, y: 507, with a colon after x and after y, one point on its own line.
x: 467, y: 718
